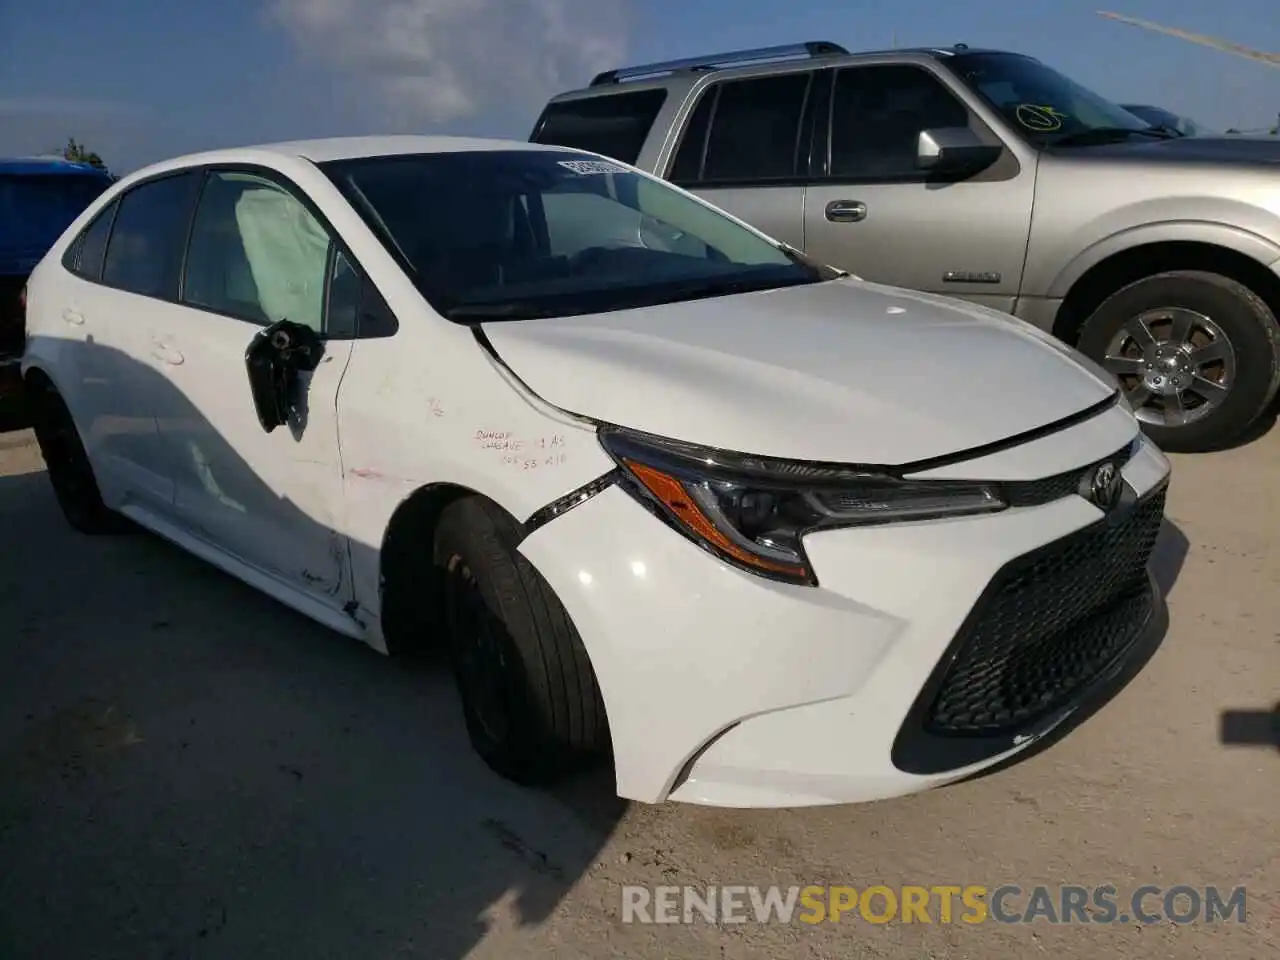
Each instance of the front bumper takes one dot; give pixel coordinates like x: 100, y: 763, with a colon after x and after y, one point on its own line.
x: 727, y: 689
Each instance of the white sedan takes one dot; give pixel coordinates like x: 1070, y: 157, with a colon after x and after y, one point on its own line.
x: 663, y: 487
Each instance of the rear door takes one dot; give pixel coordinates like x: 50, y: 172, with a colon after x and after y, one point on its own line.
x: 745, y: 148
x: 871, y: 211
x: 119, y: 316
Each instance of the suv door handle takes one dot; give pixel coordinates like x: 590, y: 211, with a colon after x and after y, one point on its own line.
x: 73, y: 318
x: 846, y: 211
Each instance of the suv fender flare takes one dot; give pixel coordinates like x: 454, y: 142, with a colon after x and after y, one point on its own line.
x: 1252, y: 245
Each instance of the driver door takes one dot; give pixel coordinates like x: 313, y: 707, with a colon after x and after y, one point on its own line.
x: 876, y: 214
x: 257, y: 254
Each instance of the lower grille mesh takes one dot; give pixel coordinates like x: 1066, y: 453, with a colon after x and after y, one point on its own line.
x: 1052, y: 624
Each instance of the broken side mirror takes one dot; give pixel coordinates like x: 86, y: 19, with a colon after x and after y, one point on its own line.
x: 274, y: 359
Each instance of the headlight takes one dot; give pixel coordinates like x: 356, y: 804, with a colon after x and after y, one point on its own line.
x: 754, y: 512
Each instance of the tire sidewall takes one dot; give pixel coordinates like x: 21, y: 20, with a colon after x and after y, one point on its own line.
x: 1243, y: 317
x: 55, y: 428
x: 520, y: 756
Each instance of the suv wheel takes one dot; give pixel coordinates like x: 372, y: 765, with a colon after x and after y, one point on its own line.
x: 70, y: 472
x: 1198, y: 355
x: 529, y: 696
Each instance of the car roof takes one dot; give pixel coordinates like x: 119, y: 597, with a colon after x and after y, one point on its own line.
x: 37, y: 166
x: 341, y: 148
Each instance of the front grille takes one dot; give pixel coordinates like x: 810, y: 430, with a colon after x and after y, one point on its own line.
x: 1049, y: 625
x: 1034, y: 493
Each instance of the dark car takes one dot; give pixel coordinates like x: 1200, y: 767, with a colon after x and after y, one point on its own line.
x: 39, y: 198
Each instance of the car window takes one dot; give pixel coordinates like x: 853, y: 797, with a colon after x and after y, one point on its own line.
x: 877, y: 115
x: 345, y: 290
x: 256, y: 253
x: 144, y: 253
x: 550, y: 233
x: 752, y: 131
x: 615, y: 124
x: 91, y: 246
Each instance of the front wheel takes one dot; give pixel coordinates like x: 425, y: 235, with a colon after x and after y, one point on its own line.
x: 529, y: 696
x: 1198, y: 355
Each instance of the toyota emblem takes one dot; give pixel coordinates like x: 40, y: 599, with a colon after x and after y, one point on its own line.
x: 1104, y: 486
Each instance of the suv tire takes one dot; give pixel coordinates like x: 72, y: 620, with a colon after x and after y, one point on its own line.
x: 532, y: 707
x: 1209, y: 307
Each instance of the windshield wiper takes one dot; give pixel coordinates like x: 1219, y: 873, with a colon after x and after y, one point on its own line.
x: 1100, y: 135
x: 503, y: 310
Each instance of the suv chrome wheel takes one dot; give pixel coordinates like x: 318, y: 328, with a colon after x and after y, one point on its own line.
x: 1175, y: 364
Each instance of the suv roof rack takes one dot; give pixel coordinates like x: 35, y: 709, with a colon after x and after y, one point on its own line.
x: 789, y: 51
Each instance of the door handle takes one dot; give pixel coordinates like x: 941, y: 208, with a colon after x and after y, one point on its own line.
x: 846, y: 211
x: 166, y: 354
x: 73, y: 317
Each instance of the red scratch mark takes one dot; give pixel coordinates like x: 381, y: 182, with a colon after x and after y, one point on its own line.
x: 364, y: 473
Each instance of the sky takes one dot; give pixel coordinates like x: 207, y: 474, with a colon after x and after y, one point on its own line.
x: 141, y: 80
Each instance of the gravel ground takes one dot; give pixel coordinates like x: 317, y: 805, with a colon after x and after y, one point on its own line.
x: 189, y: 770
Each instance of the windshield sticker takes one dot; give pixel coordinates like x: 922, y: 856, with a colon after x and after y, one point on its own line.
x: 588, y: 167
x: 1040, y: 119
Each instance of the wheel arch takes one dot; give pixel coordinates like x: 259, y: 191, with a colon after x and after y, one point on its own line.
x: 1132, y: 263
x: 405, y: 569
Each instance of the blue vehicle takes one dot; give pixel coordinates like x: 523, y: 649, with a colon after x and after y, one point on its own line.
x: 39, y: 198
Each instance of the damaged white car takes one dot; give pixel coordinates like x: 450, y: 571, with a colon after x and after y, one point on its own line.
x: 664, y: 488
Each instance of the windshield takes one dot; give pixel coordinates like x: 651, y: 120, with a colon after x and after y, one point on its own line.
x: 524, y: 233
x: 1044, y: 105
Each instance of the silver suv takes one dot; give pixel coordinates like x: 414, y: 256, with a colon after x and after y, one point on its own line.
x: 988, y: 176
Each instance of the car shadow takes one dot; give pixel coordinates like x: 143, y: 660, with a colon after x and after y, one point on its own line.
x: 1250, y: 728
x: 1167, y: 560
x: 190, y: 769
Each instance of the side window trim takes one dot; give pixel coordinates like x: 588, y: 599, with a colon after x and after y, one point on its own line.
x: 203, y: 173
x: 1006, y: 168
x: 336, y: 243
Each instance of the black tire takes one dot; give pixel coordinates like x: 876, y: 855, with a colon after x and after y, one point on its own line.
x: 70, y: 472
x: 532, y: 706
x: 1247, y: 322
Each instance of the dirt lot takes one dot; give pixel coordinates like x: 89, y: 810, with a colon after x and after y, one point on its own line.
x: 189, y: 770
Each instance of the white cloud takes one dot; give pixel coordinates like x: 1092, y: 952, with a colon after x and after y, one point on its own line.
x: 435, y: 61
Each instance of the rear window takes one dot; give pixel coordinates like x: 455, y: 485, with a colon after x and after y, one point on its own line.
x: 36, y: 208
x: 615, y: 124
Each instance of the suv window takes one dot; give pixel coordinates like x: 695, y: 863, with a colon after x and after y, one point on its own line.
x: 145, y: 249
x: 750, y: 132
x: 876, y: 118
x: 256, y: 253
x: 85, y: 256
x: 615, y: 125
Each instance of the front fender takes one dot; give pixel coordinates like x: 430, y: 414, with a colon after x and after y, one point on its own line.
x: 1253, y: 245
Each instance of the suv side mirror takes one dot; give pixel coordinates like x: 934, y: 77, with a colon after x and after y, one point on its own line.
x: 274, y: 359
x: 954, y: 150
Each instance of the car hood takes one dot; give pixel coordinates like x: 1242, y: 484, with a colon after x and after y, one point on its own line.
x: 844, y: 371
x: 1221, y: 149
